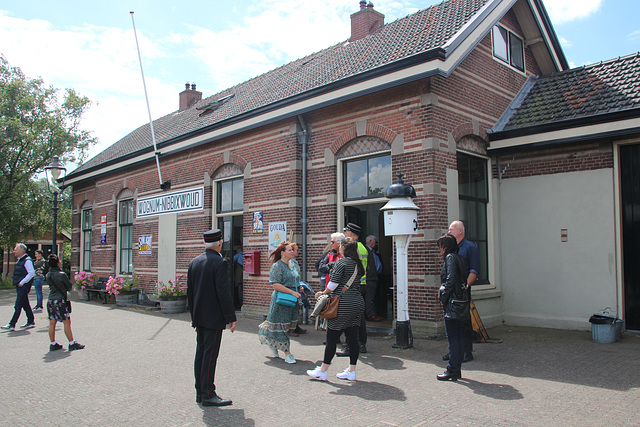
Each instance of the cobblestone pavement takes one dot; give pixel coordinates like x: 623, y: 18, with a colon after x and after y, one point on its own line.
x: 137, y: 370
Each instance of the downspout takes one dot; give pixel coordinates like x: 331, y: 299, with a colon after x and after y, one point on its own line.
x: 303, y: 139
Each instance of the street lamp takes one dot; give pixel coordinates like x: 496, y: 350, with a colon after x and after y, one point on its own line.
x: 55, y: 169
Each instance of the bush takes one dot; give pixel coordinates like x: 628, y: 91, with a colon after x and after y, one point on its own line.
x: 7, y: 283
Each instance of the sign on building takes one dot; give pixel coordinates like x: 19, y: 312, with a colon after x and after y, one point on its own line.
x: 144, y: 245
x: 168, y: 203
x: 277, y: 234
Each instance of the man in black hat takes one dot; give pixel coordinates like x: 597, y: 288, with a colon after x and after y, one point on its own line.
x: 210, y: 298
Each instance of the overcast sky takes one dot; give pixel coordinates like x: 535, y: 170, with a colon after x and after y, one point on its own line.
x: 89, y: 46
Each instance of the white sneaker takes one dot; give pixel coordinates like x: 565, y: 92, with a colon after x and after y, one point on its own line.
x: 346, y: 375
x: 8, y: 328
x: 317, y: 373
x: 289, y: 358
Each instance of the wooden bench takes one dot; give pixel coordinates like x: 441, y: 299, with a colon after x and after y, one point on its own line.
x: 100, y: 290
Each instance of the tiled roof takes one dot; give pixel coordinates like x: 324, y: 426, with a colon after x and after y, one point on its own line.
x: 585, y: 93
x: 415, y: 34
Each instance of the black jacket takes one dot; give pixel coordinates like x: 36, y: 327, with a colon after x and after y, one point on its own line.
x: 452, y: 277
x: 209, y: 291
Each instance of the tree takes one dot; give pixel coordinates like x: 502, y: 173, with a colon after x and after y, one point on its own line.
x: 35, y: 126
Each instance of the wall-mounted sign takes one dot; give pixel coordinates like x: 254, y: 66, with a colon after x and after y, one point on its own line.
x: 258, y: 226
x: 168, y: 203
x: 144, y: 245
x: 103, y: 228
x: 277, y: 234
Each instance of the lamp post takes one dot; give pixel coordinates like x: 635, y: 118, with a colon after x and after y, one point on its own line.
x: 55, y: 169
x: 401, y: 222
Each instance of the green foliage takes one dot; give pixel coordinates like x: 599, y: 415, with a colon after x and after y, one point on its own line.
x: 7, y: 283
x: 35, y: 126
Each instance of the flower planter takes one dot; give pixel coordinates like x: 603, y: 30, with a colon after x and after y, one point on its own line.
x: 124, y: 299
x: 83, y: 295
x: 172, y: 305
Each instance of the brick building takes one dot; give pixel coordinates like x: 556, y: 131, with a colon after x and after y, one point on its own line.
x: 316, y: 143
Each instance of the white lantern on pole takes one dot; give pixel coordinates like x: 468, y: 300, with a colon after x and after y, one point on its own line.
x: 401, y: 222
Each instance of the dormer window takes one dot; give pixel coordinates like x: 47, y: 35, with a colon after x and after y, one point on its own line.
x: 508, y: 47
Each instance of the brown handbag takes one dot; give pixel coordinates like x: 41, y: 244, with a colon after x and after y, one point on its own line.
x: 330, y: 310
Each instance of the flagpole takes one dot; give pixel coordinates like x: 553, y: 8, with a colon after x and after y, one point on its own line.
x: 167, y: 184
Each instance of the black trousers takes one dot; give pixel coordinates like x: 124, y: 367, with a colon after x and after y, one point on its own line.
x: 207, y: 349
x: 333, y: 336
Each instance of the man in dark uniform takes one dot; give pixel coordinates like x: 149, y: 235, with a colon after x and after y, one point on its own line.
x: 210, y: 298
x: 23, y: 275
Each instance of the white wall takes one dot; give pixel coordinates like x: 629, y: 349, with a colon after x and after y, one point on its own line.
x: 546, y: 282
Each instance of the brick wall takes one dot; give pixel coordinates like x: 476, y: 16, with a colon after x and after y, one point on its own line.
x: 423, y: 119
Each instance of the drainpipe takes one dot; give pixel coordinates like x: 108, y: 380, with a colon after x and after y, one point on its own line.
x: 303, y: 139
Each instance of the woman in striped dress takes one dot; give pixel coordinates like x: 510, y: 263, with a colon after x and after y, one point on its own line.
x: 345, y: 282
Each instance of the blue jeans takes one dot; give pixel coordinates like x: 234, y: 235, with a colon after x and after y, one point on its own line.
x: 37, y: 284
x: 22, y: 303
x: 455, y: 336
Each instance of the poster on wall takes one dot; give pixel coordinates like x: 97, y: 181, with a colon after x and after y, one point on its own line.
x: 103, y: 228
x: 277, y: 234
x: 144, y: 245
x: 258, y: 225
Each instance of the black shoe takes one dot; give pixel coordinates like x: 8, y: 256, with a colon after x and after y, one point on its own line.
x: 216, y: 401
x: 299, y: 330
x: 198, y: 397
x: 468, y: 357
x: 343, y: 352
x: 28, y: 325
x: 363, y: 348
x: 449, y: 376
x: 75, y: 346
x: 445, y: 357
x: 54, y: 347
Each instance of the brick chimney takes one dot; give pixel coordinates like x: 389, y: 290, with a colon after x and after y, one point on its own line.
x: 189, y: 96
x: 366, y: 21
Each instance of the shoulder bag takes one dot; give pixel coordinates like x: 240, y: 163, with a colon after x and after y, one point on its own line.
x: 286, y: 299
x: 330, y: 310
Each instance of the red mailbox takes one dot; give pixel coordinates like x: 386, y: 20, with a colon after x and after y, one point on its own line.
x: 252, y: 262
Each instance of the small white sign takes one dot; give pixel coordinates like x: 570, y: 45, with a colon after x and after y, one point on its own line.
x: 277, y: 234
x: 168, y: 203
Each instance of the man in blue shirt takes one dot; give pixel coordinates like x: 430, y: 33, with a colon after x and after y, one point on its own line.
x: 469, y: 252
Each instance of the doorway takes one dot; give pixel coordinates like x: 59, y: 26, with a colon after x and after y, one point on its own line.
x: 630, y: 199
x: 232, y: 251
x: 370, y: 218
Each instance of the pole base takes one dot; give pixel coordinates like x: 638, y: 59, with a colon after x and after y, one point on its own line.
x: 404, y: 337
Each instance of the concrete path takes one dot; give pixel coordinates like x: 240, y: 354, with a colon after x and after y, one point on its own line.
x: 137, y: 370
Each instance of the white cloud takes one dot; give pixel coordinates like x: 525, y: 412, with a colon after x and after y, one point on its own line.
x: 102, y: 62
x: 562, y: 11
x: 634, y: 36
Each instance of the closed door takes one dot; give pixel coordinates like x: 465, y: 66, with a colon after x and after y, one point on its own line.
x: 630, y: 198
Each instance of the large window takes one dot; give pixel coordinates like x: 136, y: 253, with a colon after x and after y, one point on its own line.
x: 230, y: 195
x: 367, y: 177
x: 125, y: 228
x: 508, y: 47
x: 473, y: 189
x: 87, y: 223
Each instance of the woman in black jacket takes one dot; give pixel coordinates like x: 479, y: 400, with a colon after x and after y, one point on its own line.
x: 58, y: 305
x: 452, y: 280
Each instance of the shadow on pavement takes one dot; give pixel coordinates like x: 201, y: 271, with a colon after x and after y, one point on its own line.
x: 368, y: 390
x: 494, y: 391
x: 54, y: 356
x: 213, y: 416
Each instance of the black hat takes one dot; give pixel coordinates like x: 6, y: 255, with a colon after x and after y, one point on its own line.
x: 212, y: 235
x: 353, y: 228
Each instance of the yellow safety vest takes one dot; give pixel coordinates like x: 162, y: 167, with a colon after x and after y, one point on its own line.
x: 364, y: 255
